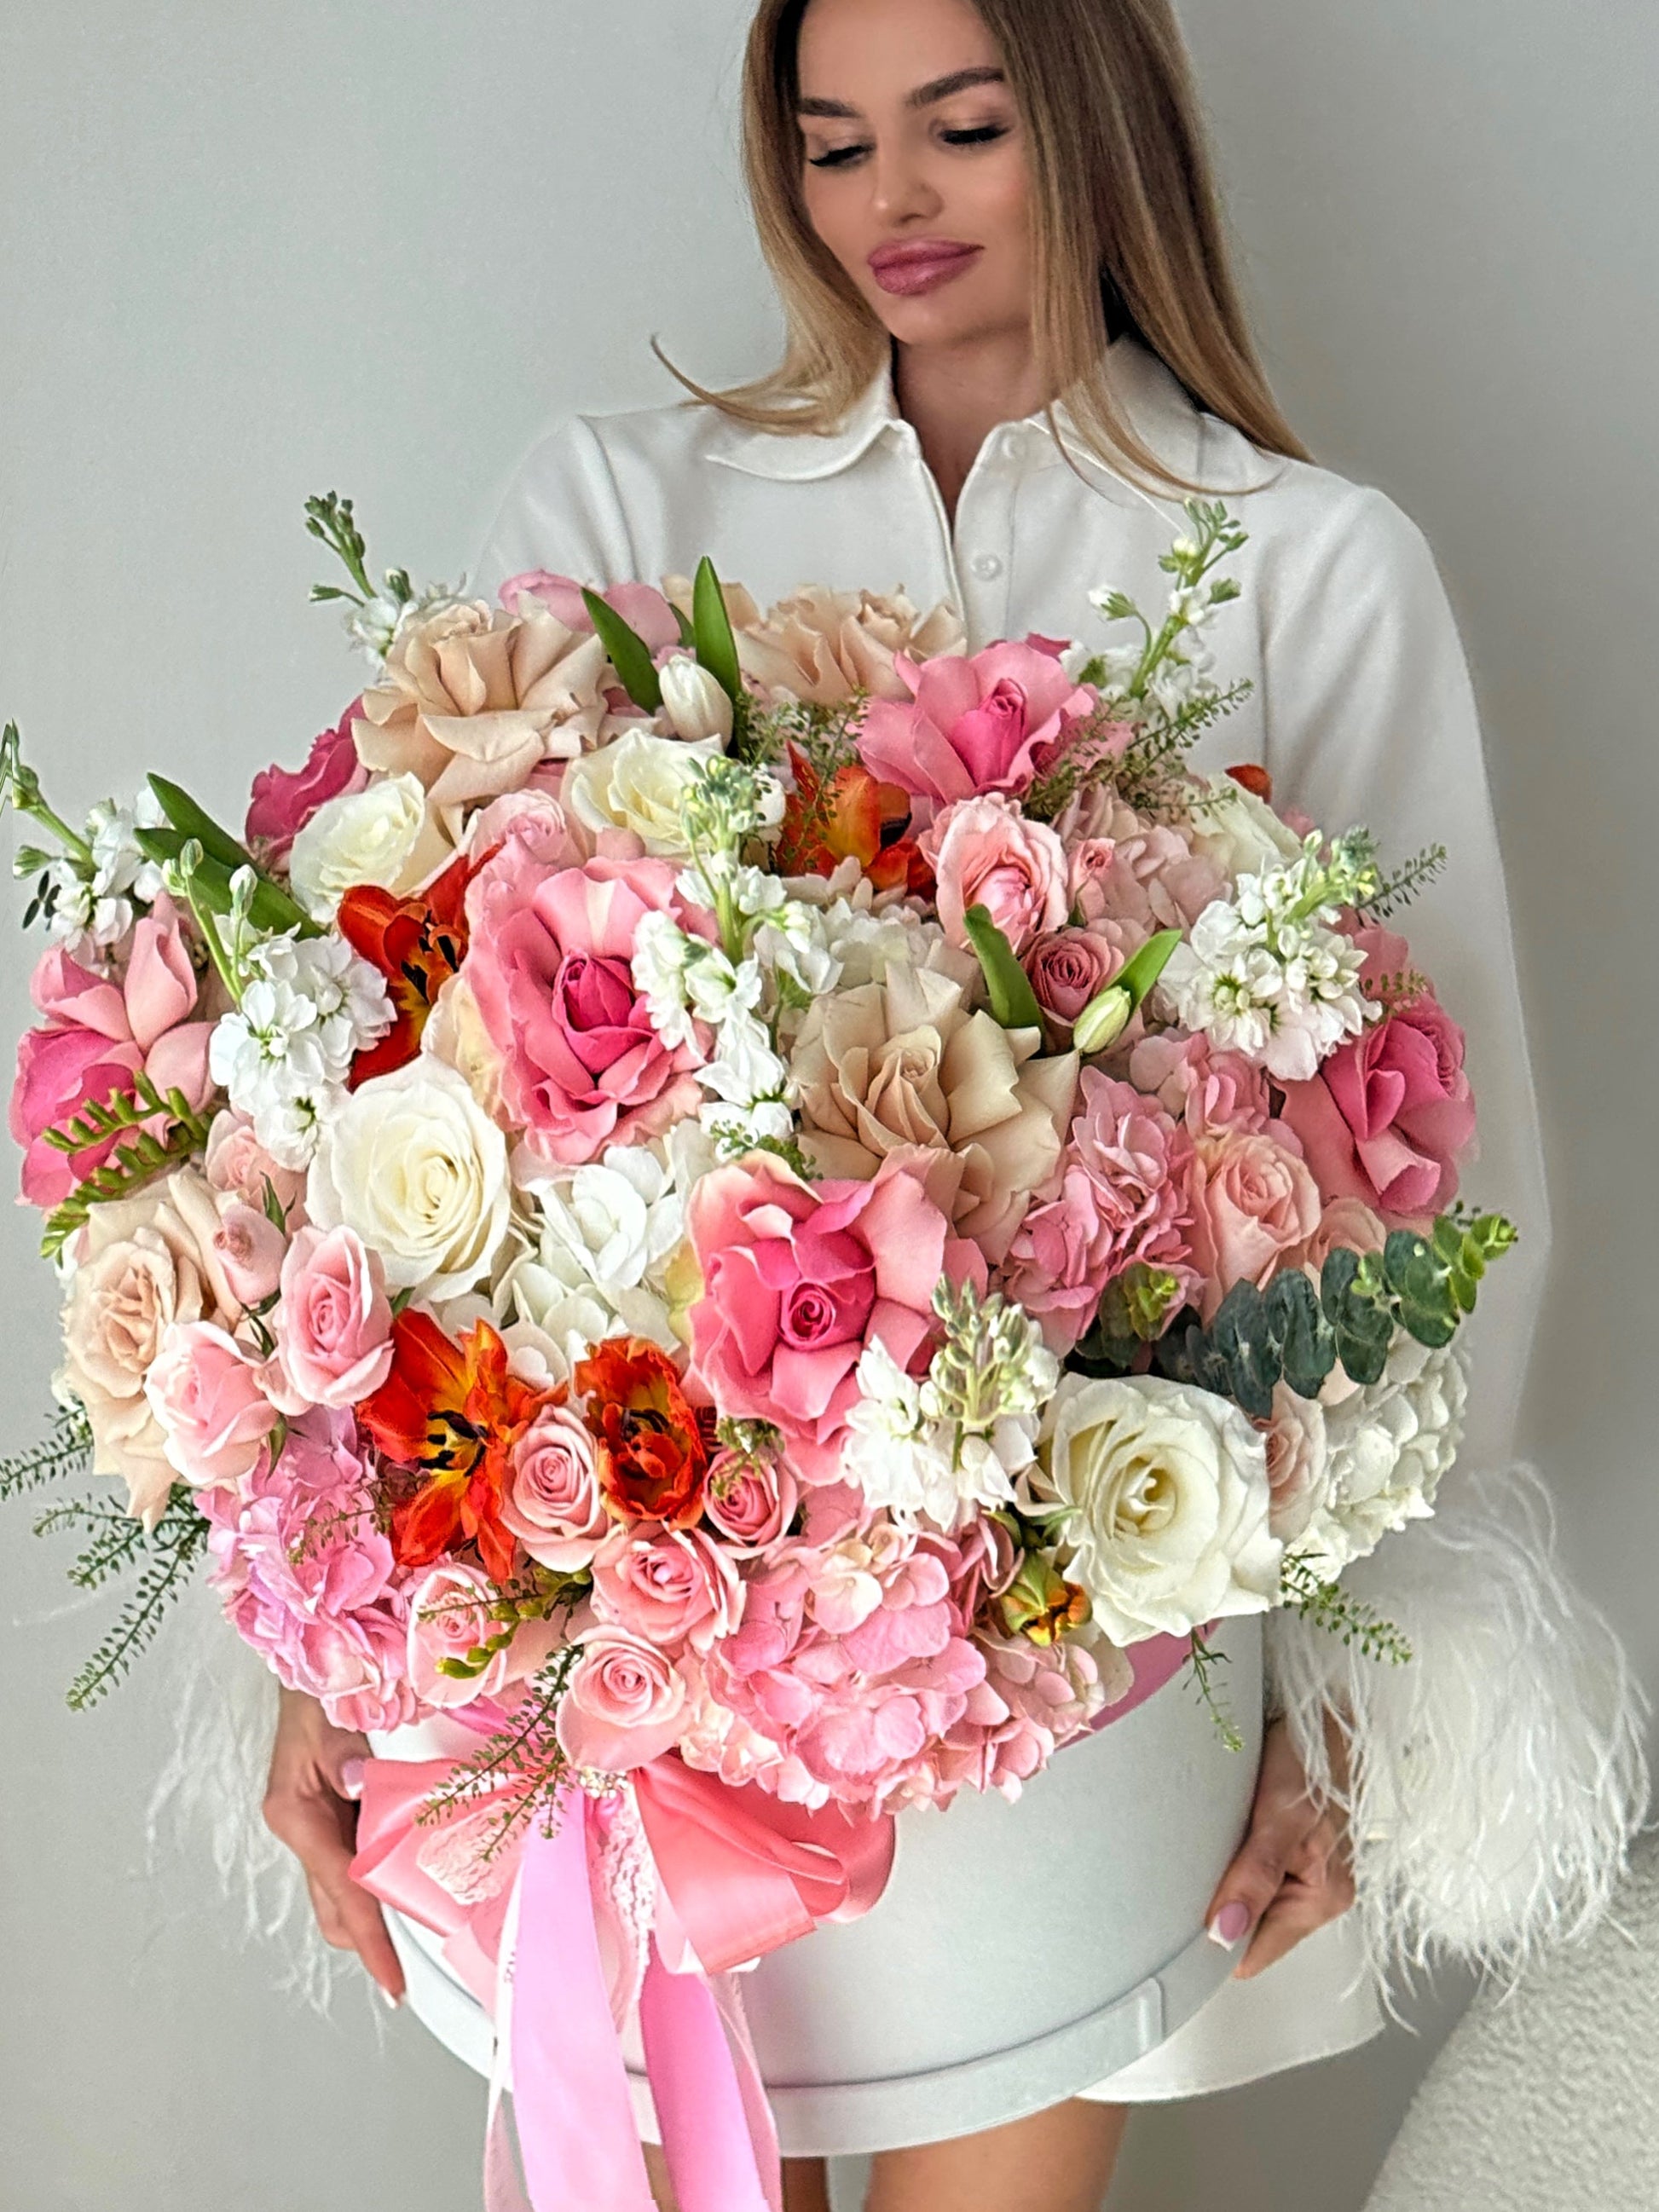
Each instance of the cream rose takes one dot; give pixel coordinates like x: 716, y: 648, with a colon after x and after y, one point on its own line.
x: 903, y: 1062
x: 1240, y: 832
x: 384, y: 835
x: 637, y: 782
x: 1172, y: 1499
x: 413, y: 1163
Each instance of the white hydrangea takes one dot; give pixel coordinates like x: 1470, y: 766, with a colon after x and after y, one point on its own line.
x: 308, y: 1007
x: 1389, y: 1446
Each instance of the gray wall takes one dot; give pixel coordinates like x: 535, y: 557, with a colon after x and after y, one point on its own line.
x: 247, y: 254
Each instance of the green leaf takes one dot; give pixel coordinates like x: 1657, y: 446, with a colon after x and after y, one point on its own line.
x: 191, y: 820
x: 1308, y: 1342
x: 1136, y: 976
x: 631, y: 656
x: 1013, y: 1002
x: 711, y: 625
x: 688, y: 636
x: 272, y: 909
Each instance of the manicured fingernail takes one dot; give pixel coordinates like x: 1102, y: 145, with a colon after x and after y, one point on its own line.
x: 351, y: 1778
x: 1229, y: 1923
x: 391, y: 2003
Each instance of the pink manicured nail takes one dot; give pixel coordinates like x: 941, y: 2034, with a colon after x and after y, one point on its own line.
x: 351, y: 1778
x: 1229, y: 1923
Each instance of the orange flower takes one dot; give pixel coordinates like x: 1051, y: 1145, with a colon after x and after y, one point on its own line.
x: 417, y: 944
x: 451, y: 1412
x: 853, y: 816
x: 652, y: 1455
x: 1254, y: 780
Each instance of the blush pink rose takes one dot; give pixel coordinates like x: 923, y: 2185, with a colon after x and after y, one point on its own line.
x: 1390, y: 1113
x: 238, y: 1164
x: 550, y: 970
x: 977, y: 723
x: 553, y: 1504
x: 673, y: 1589
x: 798, y: 1277
x: 284, y: 799
x: 751, y: 1502
x: 1136, y: 871
x: 1253, y: 1203
x: 203, y: 1389
x: 624, y: 1706
x: 1210, y: 1091
x: 983, y: 851
x: 249, y: 1248
x: 641, y: 606
x: 450, y: 1617
x: 333, y: 1326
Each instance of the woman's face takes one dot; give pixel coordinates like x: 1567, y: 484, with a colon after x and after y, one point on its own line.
x: 915, y: 172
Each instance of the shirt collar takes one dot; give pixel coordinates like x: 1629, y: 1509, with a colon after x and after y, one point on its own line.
x: 1157, y: 405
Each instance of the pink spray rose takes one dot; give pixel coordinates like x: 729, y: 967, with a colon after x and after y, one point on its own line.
x: 1253, y: 1203
x: 751, y: 1501
x: 1069, y: 967
x: 550, y: 971
x: 984, y: 853
x: 553, y: 1504
x: 798, y: 1277
x: 982, y: 723
x: 1154, y: 879
x: 203, y: 1389
x: 625, y: 1702
x: 238, y: 1164
x: 284, y: 799
x: 333, y: 1325
x: 449, y: 1618
x: 1120, y: 1198
x: 1390, y: 1113
x: 100, y: 1035
x: 249, y: 1248
x: 673, y: 1589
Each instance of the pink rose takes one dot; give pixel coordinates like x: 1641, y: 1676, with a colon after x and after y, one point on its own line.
x: 751, y: 1501
x: 553, y: 1504
x: 1120, y: 1199
x: 798, y: 1277
x: 1069, y: 967
x: 1299, y: 1462
x: 238, y: 1164
x: 1253, y: 1203
x: 672, y: 1589
x: 641, y: 606
x: 284, y: 799
x: 1389, y: 1115
x: 984, y: 853
x: 550, y: 970
x: 102, y: 1034
x: 203, y: 1389
x: 1346, y: 1223
x: 450, y: 1617
x: 625, y: 1704
x: 983, y: 723
x: 333, y: 1326
x: 249, y: 1248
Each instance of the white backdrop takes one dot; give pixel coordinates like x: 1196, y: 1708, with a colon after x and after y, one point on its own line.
x: 246, y: 255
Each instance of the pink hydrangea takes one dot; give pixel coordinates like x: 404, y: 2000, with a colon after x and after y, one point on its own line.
x: 1126, y: 868
x: 1120, y: 1197
x: 306, y: 1576
x: 1033, y: 1698
x: 1210, y: 1091
x: 284, y: 799
x: 550, y: 970
x: 977, y: 723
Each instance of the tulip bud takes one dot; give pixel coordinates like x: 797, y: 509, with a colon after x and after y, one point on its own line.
x: 1103, y: 1020
x: 1039, y: 1603
x: 694, y: 701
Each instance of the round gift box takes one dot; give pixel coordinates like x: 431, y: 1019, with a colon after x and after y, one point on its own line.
x: 1020, y: 1952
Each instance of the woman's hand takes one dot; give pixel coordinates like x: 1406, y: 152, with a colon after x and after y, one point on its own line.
x: 308, y: 1807
x: 1293, y: 1871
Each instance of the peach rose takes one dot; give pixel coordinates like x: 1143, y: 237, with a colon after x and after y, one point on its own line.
x: 1252, y: 1204
x: 984, y: 853
x: 823, y: 645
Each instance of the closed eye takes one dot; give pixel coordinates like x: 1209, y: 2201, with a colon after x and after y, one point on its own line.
x: 836, y: 157
x: 985, y: 135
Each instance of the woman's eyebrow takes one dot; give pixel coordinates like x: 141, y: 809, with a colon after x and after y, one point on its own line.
x: 925, y: 95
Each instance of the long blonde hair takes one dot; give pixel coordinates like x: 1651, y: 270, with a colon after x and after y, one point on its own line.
x: 1127, y: 231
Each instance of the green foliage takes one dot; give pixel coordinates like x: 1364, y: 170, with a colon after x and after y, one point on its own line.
x: 1328, y: 1606
x: 1008, y: 985
x: 66, y: 1450
x: 191, y: 820
x: 519, y: 1770
x: 631, y: 656
x: 711, y: 629
x: 1396, y: 889
x: 1257, y: 1340
x: 163, y: 1559
x: 1203, y: 1660
x: 132, y: 1164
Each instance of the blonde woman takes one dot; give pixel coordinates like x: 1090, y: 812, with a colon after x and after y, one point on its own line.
x: 1014, y: 340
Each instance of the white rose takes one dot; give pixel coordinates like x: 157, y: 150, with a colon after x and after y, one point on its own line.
x: 696, y: 703
x: 1389, y: 1444
x: 639, y: 782
x: 1240, y: 832
x: 413, y: 1163
x: 1171, y: 1485
x: 384, y: 835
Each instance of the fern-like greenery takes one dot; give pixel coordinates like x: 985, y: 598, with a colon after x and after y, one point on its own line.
x: 1328, y: 1606
x: 65, y: 1451
x: 518, y: 1771
x: 132, y: 1164
x: 1403, y: 885
x: 1205, y: 1659
x: 163, y: 1559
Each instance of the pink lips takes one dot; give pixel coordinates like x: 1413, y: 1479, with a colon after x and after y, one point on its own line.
x: 918, y: 265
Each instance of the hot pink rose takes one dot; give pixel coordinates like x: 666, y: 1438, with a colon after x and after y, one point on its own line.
x: 1253, y: 1203
x: 333, y: 1326
x: 1390, y: 1113
x: 976, y: 724
x: 284, y: 799
x: 203, y: 1388
x: 625, y: 1704
x: 1120, y: 1198
x: 553, y: 1504
x: 798, y: 1277
x: 100, y: 1035
x: 673, y: 1589
x: 983, y: 851
x: 550, y: 970
x: 751, y: 1502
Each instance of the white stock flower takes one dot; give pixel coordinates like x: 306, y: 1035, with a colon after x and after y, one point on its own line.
x: 283, y: 1054
x: 413, y: 1163
x: 1389, y: 1446
x: 661, y: 953
x: 1284, y: 992
x: 384, y: 835
x: 638, y: 782
x: 1169, y: 1485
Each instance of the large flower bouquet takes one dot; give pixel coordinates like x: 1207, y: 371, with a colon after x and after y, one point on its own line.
x: 743, y: 1199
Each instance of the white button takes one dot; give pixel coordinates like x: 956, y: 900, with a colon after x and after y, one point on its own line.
x: 986, y: 566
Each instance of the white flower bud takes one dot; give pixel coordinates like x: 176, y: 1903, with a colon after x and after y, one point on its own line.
x: 1103, y: 1020
x: 695, y: 704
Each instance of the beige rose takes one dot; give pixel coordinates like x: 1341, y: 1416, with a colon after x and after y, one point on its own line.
x: 903, y: 1062
x: 475, y: 697
x: 147, y: 1262
x: 1252, y: 1203
x: 823, y: 645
